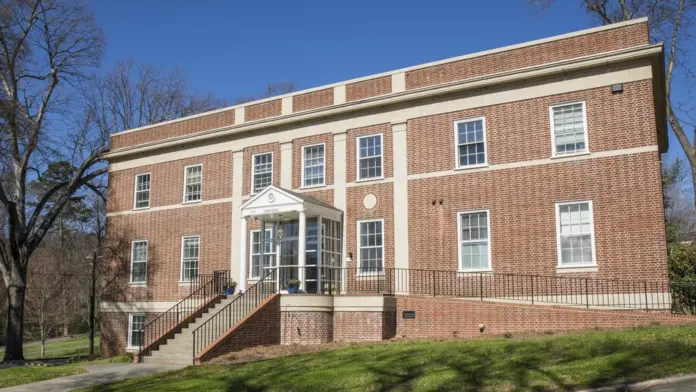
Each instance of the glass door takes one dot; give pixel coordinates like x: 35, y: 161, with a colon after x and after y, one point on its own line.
x: 287, y: 258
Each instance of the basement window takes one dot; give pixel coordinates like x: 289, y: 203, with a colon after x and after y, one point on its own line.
x: 136, y: 325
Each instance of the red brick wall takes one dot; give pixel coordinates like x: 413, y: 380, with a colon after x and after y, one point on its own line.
x: 113, y: 332
x: 520, y: 131
x: 306, y: 327
x: 363, y: 326
x: 443, y: 317
x: 167, y: 181
x: 368, y: 88
x: 313, y: 100
x: 627, y: 204
x: 163, y: 230
x: 263, y: 110
x: 260, y: 328
x: 251, y: 151
x: 179, y: 128
x: 297, y: 145
x: 584, y: 45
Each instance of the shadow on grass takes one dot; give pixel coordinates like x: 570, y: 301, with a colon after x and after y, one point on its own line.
x: 561, y: 363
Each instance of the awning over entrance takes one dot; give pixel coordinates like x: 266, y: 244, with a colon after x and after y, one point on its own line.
x: 298, y: 236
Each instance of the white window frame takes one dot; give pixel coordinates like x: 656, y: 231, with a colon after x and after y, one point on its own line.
x: 459, y: 242
x: 384, y: 246
x: 135, y: 192
x: 131, y: 263
x: 252, y: 254
x: 253, y: 174
x: 201, y: 198
x: 181, y: 264
x: 559, y: 252
x: 302, y: 174
x: 554, y: 153
x: 357, y: 156
x: 130, y: 329
x: 456, y: 143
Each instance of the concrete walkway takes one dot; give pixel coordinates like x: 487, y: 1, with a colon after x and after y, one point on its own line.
x: 96, y: 375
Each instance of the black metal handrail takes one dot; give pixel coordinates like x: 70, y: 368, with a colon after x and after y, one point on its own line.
x: 203, y: 289
x: 229, y: 315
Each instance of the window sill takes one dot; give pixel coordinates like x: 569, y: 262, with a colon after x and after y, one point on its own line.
x: 374, y: 276
x: 575, y: 154
x: 185, y: 282
x: 141, y: 208
x: 137, y: 284
x: 578, y: 268
x: 312, y: 187
x: 192, y: 202
x: 369, y: 179
x: 461, y: 273
x: 471, y: 167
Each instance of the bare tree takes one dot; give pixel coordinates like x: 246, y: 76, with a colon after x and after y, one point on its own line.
x: 272, y: 89
x: 45, y: 48
x: 670, y: 22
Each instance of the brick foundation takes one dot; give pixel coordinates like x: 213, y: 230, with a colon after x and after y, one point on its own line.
x: 306, y: 327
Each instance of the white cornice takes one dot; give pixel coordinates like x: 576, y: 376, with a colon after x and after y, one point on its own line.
x: 472, y: 83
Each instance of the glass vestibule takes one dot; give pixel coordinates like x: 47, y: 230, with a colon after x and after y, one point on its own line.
x: 281, y: 251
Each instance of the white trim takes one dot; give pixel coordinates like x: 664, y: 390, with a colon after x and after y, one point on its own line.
x: 562, y: 77
x: 253, y: 157
x: 554, y: 153
x: 559, y: 264
x: 302, y: 167
x: 459, y: 241
x: 357, y: 157
x: 251, y: 253
x: 184, y: 201
x: 171, y: 207
x: 401, y: 70
x: 181, y: 264
x: 358, y: 247
x: 135, y: 307
x: 135, y: 191
x: 456, y: 143
x: 129, y: 344
x: 147, y: 254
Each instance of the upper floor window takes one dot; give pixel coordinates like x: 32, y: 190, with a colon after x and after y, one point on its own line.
x: 261, y: 171
x: 138, y: 262
x: 575, y: 230
x: 142, y: 191
x: 193, y: 183
x: 190, y: 256
x: 371, y: 242
x: 370, y: 157
x: 474, y: 241
x: 313, y: 168
x: 569, y: 128
x: 470, y: 137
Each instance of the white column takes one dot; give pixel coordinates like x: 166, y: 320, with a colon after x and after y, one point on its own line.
x: 320, y: 256
x: 301, y: 249
x: 243, y: 256
x: 400, y: 207
x: 286, y: 165
x: 237, y: 184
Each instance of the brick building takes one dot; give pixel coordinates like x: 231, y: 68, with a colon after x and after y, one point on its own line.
x: 540, y: 159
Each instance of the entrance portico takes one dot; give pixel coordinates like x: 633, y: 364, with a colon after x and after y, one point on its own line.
x: 299, y: 238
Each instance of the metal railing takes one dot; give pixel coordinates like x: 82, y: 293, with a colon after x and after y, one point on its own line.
x: 229, y: 315
x: 678, y: 297
x: 203, y: 289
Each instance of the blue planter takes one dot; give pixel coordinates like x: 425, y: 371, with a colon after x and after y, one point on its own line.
x: 229, y: 291
x: 292, y: 289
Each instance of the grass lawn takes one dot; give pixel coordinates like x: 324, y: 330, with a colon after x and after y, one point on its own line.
x: 550, y: 363
x: 26, y: 374
x: 69, y: 347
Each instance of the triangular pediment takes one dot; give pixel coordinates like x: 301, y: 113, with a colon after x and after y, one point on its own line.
x: 272, y: 197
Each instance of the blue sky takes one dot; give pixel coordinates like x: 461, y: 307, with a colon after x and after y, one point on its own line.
x: 234, y: 48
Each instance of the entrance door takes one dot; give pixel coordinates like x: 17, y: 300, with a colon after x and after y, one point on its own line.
x: 287, y: 254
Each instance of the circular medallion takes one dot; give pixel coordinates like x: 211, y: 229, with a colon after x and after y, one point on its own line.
x: 271, y: 197
x: 369, y: 201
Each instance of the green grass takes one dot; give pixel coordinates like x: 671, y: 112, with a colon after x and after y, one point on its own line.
x: 26, y: 374
x: 546, y: 363
x: 70, y: 347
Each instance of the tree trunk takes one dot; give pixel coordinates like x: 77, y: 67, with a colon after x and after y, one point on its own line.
x: 14, y: 330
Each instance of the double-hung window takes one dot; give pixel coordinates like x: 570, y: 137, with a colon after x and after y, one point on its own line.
x: 136, y: 325
x: 371, y: 241
x: 575, y: 230
x: 370, y: 157
x: 138, y: 262
x: 268, y: 254
x: 193, y: 183
x: 470, y: 138
x: 474, y: 241
x: 261, y: 171
x: 190, y: 256
x: 142, y: 191
x: 569, y: 129
x: 313, y: 165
